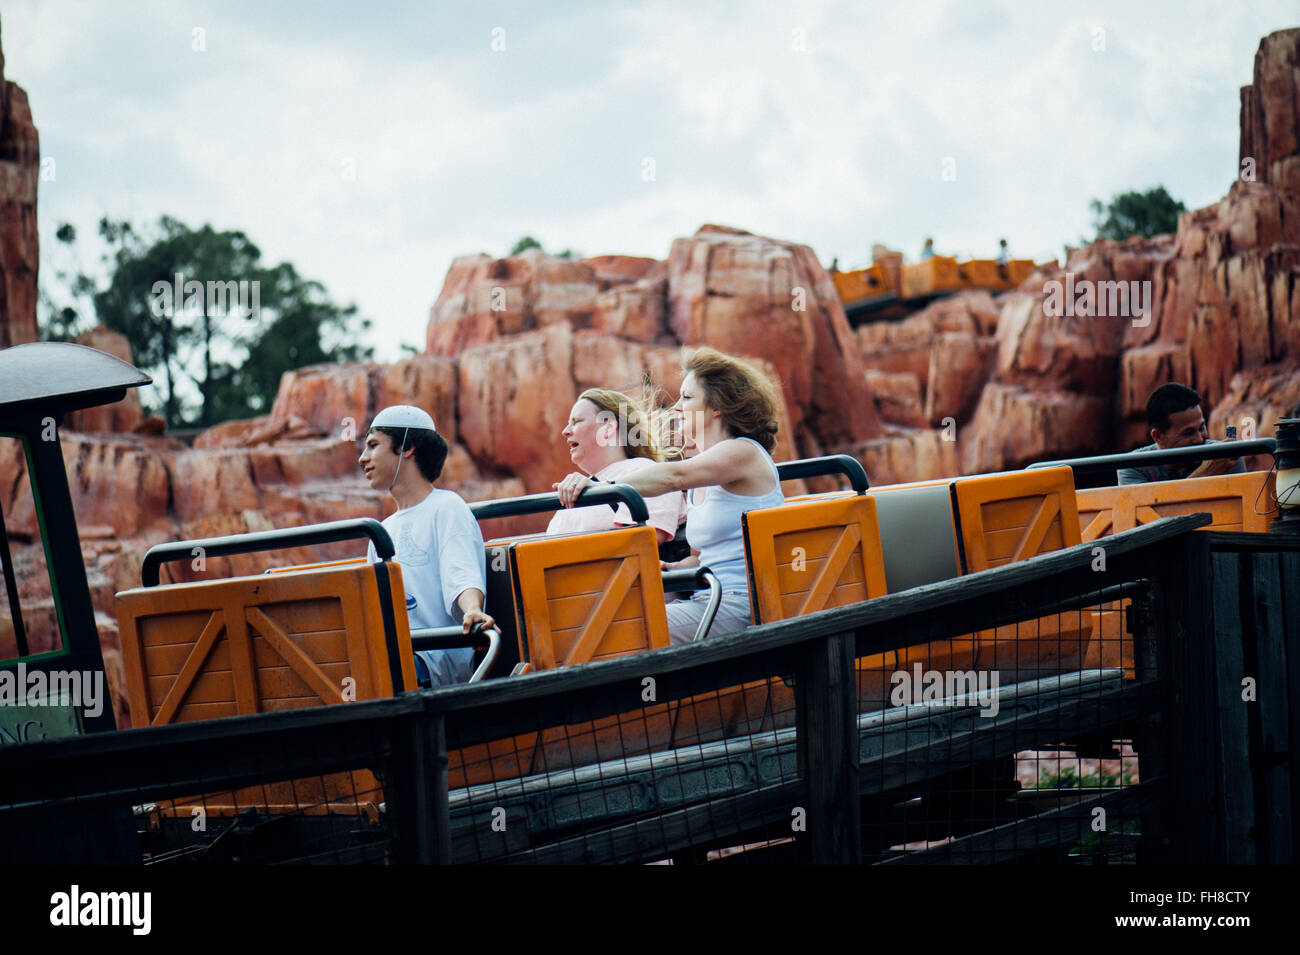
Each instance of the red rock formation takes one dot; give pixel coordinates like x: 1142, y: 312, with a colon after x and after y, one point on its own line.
x: 514, y: 402
x: 338, y: 400
x: 741, y: 293
x: 19, y: 258
x: 1256, y: 399
x: 484, y: 299
x: 1225, y: 314
x: 749, y: 295
x: 125, y: 415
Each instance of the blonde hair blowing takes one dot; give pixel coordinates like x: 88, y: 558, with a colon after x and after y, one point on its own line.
x: 638, y: 429
x: 746, y: 397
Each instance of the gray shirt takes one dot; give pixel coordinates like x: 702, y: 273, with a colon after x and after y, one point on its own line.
x: 1158, y: 472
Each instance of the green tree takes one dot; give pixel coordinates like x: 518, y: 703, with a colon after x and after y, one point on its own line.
x: 1149, y: 213
x: 205, y: 316
x: 528, y: 242
x: 524, y: 244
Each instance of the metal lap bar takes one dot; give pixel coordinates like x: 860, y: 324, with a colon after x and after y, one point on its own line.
x: 692, y: 579
x: 451, y: 638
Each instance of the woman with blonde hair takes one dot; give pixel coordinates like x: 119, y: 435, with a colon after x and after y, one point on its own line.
x: 611, y: 436
x: 728, y: 413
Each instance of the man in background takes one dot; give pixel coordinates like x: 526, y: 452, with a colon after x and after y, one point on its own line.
x: 1176, y: 421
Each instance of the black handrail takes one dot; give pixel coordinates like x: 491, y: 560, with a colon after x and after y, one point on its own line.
x: 844, y: 464
x: 453, y: 637
x: 611, y: 494
x: 304, y: 536
x: 686, y: 578
x: 1138, y: 459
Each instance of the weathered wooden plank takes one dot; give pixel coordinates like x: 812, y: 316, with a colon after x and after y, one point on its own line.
x: 1235, y: 784
x: 826, y: 697
x: 1272, y: 750
x: 415, y: 789
x: 1172, y: 634
x: 1290, y: 571
x: 150, y: 764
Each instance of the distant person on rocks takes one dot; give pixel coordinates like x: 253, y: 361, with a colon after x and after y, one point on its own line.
x: 1004, y: 253
x: 927, y: 250
x: 611, y: 435
x: 835, y: 265
x: 1176, y: 421
x: 438, y: 542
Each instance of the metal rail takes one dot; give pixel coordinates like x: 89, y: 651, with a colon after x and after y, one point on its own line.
x: 689, y: 579
x: 844, y: 464
x: 255, y: 541
x: 611, y: 494
x: 1138, y: 459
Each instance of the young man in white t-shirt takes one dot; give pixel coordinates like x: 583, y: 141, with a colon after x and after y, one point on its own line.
x: 438, y: 542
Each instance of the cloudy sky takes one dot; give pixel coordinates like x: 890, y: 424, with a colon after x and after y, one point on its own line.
x: 371, y: 143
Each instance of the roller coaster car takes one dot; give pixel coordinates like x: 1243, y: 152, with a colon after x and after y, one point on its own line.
x: 873, y: 288
x: 335, y: 632
x: 808, y: 555
x: 862, y: 284
x: 931, y: 276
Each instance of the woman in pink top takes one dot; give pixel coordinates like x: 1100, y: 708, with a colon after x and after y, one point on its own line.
x: 610, y: 436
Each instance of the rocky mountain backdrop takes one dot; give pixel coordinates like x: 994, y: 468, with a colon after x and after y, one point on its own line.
x: 975, y: 382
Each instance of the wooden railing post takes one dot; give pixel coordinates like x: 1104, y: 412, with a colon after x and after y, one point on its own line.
x: 826, y: 702
x: 415, y: 792
x: 1174, y: 643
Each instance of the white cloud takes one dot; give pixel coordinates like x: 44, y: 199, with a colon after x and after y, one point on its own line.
x: 833, y: 135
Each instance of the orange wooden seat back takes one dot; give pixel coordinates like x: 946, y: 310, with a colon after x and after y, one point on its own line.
x: 811, y: 555
x: 1016, y: 515
x: 1230, y: 500
x: 212, y: 649
x: 1011, y: 517
x: 589, y: 596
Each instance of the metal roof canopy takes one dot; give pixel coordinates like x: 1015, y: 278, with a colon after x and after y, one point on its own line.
x: 62, y: 376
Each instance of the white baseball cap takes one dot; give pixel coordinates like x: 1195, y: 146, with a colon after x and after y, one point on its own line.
x: 404, y: 416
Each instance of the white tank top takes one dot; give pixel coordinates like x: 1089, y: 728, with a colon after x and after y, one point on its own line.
x: 713, y: 527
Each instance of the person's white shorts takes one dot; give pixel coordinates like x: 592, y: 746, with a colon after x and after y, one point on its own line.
x: 684, y: 616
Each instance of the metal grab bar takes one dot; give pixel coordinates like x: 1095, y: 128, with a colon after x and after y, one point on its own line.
x: 327, y: 533
x: 1138, y: 459
x: 696, y: 578
x: 451, y: 638
x: 844, y: 464
x: 611, y: 494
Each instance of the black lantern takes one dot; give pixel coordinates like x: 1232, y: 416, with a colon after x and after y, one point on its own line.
x: 1287, y: 457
